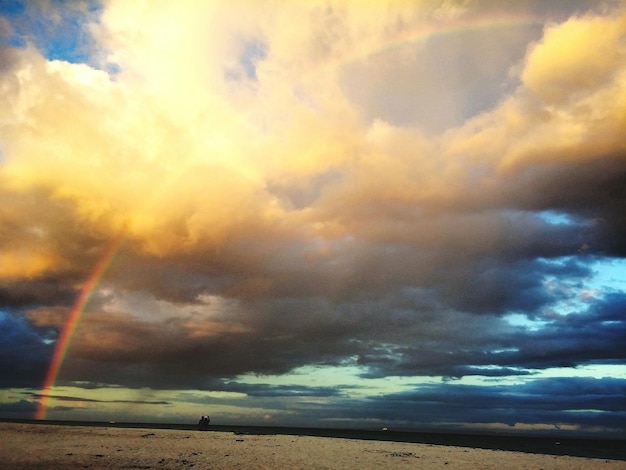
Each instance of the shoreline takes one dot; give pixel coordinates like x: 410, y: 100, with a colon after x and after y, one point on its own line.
x: 585, y: 447
x: 64, y: 447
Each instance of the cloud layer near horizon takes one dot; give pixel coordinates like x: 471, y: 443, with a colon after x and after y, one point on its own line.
x: 316, y: 184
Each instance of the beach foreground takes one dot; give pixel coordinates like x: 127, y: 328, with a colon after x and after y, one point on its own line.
x: 68, y: 447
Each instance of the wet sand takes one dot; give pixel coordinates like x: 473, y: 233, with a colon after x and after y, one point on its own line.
x: 28, y: 446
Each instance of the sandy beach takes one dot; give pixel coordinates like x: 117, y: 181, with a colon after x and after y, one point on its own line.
x: 27, y: 446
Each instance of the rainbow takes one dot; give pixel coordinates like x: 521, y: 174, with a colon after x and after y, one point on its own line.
x: 65, y: 339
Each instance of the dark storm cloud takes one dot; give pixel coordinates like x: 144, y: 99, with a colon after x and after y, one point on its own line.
x: 24, y: 352
x: 267, y: 390
x: 587, y: 336
x: 589, y: 402
x: 20, y: 294
x: 18, y: 409
x: 592, y: 335
x: 494, y: 286
x: 164, y: 355
x: 400, y: 315
x: 387, y: 339
x: 93, y: 400
x: 591, y: 191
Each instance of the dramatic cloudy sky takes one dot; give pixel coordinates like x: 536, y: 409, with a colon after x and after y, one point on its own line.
x: 316, y: 213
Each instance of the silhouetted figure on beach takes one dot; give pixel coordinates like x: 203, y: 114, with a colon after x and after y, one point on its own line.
x: 203, y: 424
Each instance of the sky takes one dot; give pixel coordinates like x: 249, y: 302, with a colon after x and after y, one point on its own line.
x: 401, y: 214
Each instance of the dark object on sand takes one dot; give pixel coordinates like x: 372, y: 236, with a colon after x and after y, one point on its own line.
x: 203, y: 424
